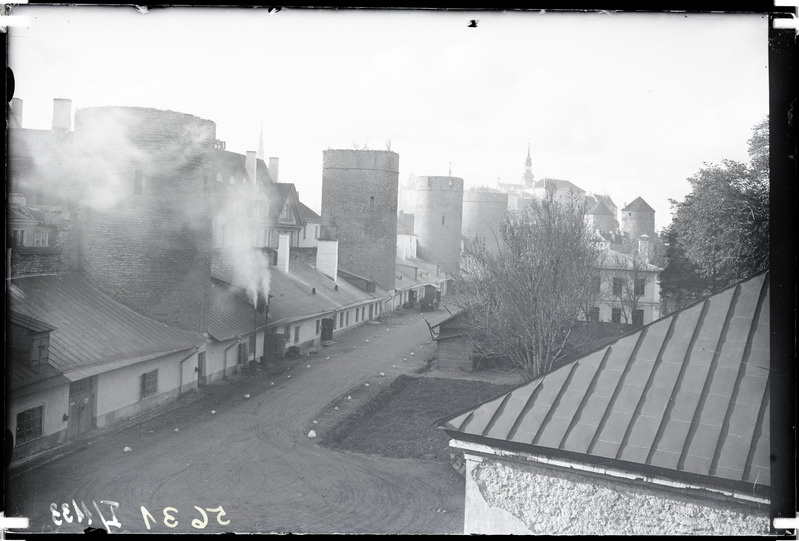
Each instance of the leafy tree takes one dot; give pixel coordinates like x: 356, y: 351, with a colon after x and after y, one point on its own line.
x: 523, y: 301
x: 719, y: 234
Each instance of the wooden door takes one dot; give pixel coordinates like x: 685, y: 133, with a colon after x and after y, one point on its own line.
x: 81, y: 407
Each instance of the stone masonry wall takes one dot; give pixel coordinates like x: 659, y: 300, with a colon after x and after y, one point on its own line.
x: 359, y: 209
x: 504, y: 496
x: 438, y: 215
x: 148, y: 250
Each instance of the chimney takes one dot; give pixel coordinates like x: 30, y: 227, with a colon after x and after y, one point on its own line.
x: 283, y: 251
x: 251, y: 164
x: 16, y: 110
x: 17, y: 199
x: 274, y: 169
x: 62, y: 114
x: 327, y: 258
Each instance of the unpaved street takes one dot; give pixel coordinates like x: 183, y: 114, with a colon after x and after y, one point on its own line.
x: 254, y: 459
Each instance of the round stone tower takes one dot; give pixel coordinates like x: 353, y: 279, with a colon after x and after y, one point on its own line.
x: 637, y: 219
x: 145, y: 222
x: 438, y: 215
x: 359, y: 209
x: 483, y: 213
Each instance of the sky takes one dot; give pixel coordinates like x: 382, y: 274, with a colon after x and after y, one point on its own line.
x: 622, y: 104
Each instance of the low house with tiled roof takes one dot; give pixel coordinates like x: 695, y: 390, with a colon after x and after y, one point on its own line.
x: 80, y: 360
x: 663, y: 431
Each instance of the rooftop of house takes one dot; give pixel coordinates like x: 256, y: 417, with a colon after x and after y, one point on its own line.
x: 559, y: 184
x: 302, y: 292
x: 232, y: 164
x: 230, y: 312
x: 308, y: 213
x: 684, y: 397
x: 611, y: 259
x: 91, y: 328
x: 600, y: 209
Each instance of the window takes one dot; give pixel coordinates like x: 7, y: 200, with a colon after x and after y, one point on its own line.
x: 594, y: 314
x: 372, y: 202
x: 287, y: 331
x: 18, y: 237
x: 597, y: 284
x: 219, y: 177
x: 638, y: 317
x: 304, y: 229
x: 357, y: 314
x: 137, y: 182
x: 316, y: 232
x: 615, y: 316
x: 318, y: 323
x: 29, y: 424
x: 251, y: 341
x: 40, y: 349
x: 348, y: 317
x: 443, y: 219
x: 296, y: 334
x: 617, y: 285
x: 286, y: 214
x: 40, y: 239
x: 81, y: 386
x: 640, y: 285
x: 341, y: 319
x: 149, y: 384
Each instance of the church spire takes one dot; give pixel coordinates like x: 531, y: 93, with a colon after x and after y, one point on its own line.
x: 528, y: 170
x: 260, y: 154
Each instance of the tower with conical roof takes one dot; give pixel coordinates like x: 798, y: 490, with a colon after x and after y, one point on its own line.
x: 528, y: 170
x: 637, y: 219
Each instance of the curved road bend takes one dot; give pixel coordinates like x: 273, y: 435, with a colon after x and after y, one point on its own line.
x: 255, y: 460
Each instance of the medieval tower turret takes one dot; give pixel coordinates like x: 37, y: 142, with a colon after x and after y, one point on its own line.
x: 438, y: 218
x: 145, y: 224
x: 637, y: 219
x: 359, y: 209
x: 483, y: 214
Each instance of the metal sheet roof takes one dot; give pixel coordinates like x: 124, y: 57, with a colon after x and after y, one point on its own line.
x: 91, y: 327
x: 686, y: 395
x: 230, y: 313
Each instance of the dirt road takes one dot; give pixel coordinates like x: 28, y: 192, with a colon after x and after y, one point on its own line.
x: 253, y: 459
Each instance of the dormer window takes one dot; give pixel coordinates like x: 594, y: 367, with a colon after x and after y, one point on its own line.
x: 29, y: 341
x: 286, y: 214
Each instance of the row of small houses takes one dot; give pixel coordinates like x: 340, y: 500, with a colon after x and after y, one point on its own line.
x: 83, y: 360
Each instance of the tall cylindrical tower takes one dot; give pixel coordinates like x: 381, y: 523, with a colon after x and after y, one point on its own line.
x: 438, y: 216
x: 359, y: 209
x: 145, y: 230
x: 483, y: 214
x: 638, y: 218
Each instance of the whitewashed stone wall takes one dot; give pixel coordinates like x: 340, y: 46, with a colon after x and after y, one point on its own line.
x: 510, y: 497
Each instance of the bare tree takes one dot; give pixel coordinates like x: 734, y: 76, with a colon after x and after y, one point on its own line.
x: 523, y: 302
x: 627, y: 275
